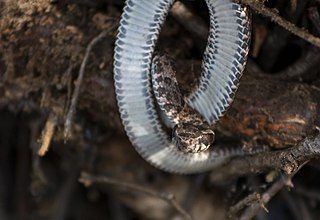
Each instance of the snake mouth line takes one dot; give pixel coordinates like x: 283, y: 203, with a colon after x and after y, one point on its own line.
x: 223, y: 63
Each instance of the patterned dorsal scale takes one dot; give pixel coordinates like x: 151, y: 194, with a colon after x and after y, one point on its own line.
x: 190, y: 133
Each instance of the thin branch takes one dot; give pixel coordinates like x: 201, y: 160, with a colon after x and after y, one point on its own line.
x: 252, y: 198
x: 287, y: 160
x: 76, y: 93
x: 283, y: 181
x: 87, y: 179
x: 260, y: 8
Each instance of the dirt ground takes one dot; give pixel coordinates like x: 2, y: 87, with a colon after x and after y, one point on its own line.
x: 93, y: 172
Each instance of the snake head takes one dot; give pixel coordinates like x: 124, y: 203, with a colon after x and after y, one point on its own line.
x: 192, y: 139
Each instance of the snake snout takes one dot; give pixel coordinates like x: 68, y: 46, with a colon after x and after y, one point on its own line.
x: 192, y: 139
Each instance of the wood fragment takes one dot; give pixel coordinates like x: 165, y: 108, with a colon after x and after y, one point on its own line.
x: 267, y: 111
x: 47, y: 134
x: 243, y: 204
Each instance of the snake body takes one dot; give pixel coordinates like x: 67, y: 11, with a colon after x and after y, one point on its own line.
x: 223, y: 63
x: 190, y: 133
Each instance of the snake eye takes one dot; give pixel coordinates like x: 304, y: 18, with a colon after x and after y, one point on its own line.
x: 208, y: 138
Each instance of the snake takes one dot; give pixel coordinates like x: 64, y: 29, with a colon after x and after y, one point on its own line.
x: 139, y: 101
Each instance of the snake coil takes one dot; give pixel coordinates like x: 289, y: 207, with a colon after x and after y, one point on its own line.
x: 223, y: 63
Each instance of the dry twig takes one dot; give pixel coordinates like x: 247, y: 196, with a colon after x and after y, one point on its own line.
x: 287, y: 160
x: 260, y: 8
x: 76, y: 93
x: 47, y: 134
x: 87, y: 179
x: 252, y: 198
x: 254, y: 208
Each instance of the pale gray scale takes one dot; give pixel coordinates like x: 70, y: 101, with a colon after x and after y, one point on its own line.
x: 135, y: 27
x: 217, y: 107
x: 137, y: 19
x: 133, y: 32
x: 145, y: 6
x: 210, y: 113
x: 132, y: 87
x: 123, y: 30
x: 218, y: 3
x: 231, y: 39
x: 230, y: 20
x: 134, y: 77
x: 233, y: 45
x: 220, y: 104
x: 137, y: 108
x: 133, y: 69
x: 227, y: 8
x: 231, y: 31
x: 221, y: 53
x: 127, y: 84
x: 130, y: 97
x: 135, y: 37
x: 129, y: 47
x: 224, y: 62
x: 221, y: 7
x: 131, y: 58
x: 225, y: 71
x: 134, y: 109
x: 221, y: 96
x: 121, y: 94
x: 219, y: 83
x: 206, y: 98
x: 225, y: 18
x: 139, y: 7
x: 230, y: 72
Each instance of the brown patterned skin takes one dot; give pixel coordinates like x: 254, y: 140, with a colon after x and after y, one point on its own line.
x: 190, y: 133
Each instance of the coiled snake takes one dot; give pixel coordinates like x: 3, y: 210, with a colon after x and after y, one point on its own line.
x: 223, y: 63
